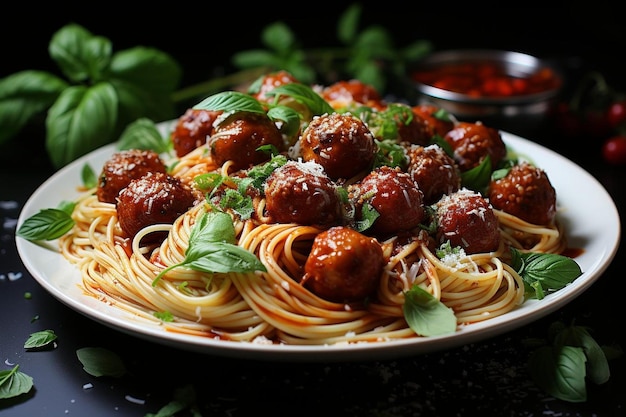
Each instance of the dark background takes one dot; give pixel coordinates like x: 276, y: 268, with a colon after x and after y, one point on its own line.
x: 486, y: 378
x: 202, y: 36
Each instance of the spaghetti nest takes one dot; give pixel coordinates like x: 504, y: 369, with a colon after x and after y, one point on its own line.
x: 273, y: 306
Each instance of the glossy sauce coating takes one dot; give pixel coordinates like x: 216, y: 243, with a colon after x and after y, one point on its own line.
x: 525, y: 192
x: 124, y: 166
x: 466, y: 219
x: 432, y: 125
x: 238, y: 138
x: 344, y: 265
x: 192, y: 130
x: 394, y: 195
x: 300, y: 192
x: 472, y: 142
x: 152, y: 199
x: 435, y: 172
x: 339, y: 142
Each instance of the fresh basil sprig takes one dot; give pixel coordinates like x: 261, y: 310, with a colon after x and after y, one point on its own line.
x: 41, y: 339
x: 48, y: 224
x: 544, y: 272
x: 562, y: 364
x: 212, y: 248
x: 426, y: 315
x: 99, y: 361
x: 103, y: 93
x: 14, y: 383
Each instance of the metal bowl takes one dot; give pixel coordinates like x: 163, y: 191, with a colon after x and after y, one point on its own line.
x: 517, y: 112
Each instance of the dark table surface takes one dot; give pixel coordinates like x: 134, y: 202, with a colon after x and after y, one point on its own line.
x: 488, y: 377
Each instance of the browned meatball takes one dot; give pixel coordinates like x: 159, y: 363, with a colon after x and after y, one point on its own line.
x: 341, y: 143
x: 431, y: 125
x: 466, y: 219
x: 238, y: 138
x: 394, y: 195
x: 347, y: 93
x: 123, y: 167
x: 525, y: 192
x: 344, y: 265
x: 152, y: 199
x: 192, y: 130
x: 472, y: 142
x: 434, y: 171
x: 301, y: 192
x: 270, y: 81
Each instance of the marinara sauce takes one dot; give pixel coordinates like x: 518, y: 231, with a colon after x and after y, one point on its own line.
x: 487, y: 79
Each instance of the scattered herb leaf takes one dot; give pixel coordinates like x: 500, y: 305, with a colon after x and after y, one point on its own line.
x: 40, y: 339
x: 14, y: 383
x: 212, y: 248
x: 426, y: 315
x: 101, y: 362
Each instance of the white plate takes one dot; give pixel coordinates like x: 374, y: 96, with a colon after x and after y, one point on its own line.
x: 588, y: 212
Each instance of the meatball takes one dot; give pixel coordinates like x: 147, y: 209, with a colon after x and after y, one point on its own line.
x: 431, y: 124
x: 238, y: 138
x: 269, y: 82
x: 341, y: 143
x: 348, y: 93
x: 435, y: 172
x: 192, y: 130
x: 466, y: 219
x: 123, y: 167
x: 525, y: 192
x: 472, y: 142
x: 301, y: 192
x: 154, y: 198
x: 394, y: 195
x: 344, y: 265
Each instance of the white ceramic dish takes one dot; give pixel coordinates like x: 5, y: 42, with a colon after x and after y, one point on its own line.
x: 588, y: 212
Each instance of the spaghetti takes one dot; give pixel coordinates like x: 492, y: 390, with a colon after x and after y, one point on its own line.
x: 272, y: 306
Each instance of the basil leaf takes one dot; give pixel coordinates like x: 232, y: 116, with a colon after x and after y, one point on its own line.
x: 305, y: 95
x: 478, y: 177
x: 48, y: 224
x: 40, y: 339
x: 212, y: 248
x: 143, y: 134
x: 597, y: 363
x: 222, y: 257
x: 14, y: 383
x: 559, y: 371
x: 81, y: 120
x: 79, y: 54
x: 101, y: 362
x: 290, y: 118
x: 552, y: 271
x: 426, y: 315
x: 231, y: 101
x: 147, y: 68
x: 88, y: 176
x: 212, y: 226
x: 23, y: 96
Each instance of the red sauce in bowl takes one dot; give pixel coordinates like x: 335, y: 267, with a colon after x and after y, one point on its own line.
x: 487, y: 79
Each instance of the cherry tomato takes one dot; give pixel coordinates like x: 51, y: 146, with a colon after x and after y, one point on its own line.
x: 616, y: 114
x: 614, y: 150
